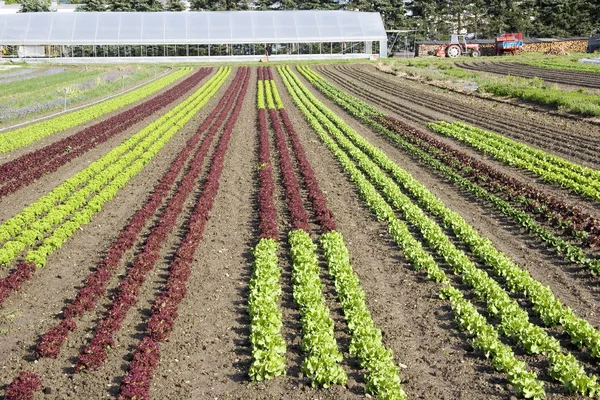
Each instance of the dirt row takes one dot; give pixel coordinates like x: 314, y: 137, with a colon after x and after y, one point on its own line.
x: 30, y: 315
x: 564, y: 77
x: 573, y: 286
x: 208, y: 352
x: 421, y: 105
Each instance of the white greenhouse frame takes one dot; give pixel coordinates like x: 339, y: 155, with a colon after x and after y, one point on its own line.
x: 302, y: 33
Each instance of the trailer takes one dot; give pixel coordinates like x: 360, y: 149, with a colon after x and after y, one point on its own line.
x: 508, y: 43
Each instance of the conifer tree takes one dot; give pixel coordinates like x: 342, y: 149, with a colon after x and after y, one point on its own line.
x: 120, y: 5
x: 34, y: 6
x: 175, y: 5
x: 92, y: 5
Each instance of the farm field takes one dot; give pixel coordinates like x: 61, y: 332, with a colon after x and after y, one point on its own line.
x: 588, y: 79
x: 300, y: 231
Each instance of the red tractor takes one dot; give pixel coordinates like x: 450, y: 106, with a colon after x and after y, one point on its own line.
x: 458, y: 46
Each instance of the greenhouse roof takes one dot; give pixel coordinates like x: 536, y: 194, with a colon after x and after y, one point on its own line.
x: 217, y: 27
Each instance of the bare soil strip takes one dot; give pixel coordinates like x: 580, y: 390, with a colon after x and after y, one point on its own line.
x: 565, y: 77
x: 422, y: 106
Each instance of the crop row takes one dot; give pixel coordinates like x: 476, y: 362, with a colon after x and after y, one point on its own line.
x: 26, y: 169
x: 321, y: 363
x: 142, y: 153
x: 136, y: 383
x: 100, y: 180
x: 129, y: 288
x: 23, y: 136
x: 514, y: 321
x: 581, y: 180
x: 95, y: 284
x: 546, y: 305
x: 522, y: 380
x: 575, y: 223
x: 268, y: 345
x: 50, y: 343
x: 366, y: 343
x: 403, y: 135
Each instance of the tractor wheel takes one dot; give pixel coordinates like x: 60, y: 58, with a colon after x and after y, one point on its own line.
x: 475, y: 53
x: 453, y: 51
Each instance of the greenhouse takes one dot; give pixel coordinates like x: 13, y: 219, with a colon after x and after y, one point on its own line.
x: 193, y: 36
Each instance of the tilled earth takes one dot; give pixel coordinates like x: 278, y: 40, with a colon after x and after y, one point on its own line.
x: 208, y: 353
x: 573, y: 78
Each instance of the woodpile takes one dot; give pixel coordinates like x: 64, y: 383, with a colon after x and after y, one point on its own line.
x: 558, y: 48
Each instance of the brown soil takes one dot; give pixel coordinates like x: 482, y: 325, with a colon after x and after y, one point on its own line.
x: 565, y: 77
x: 208, y: 353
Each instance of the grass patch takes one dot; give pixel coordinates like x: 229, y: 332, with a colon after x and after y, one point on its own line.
x: 537, y: 91
x: 571, y: 64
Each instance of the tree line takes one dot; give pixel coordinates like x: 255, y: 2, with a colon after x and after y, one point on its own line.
x: 432, y: 19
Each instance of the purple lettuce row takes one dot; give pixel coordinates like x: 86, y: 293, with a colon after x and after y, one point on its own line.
x: 26, y: 169
x: 136, y: 383
x: 322, y: 212
x: 267, y: 214
x: 94, y: 354
x: 556, y: 211
x: 23, y: 272
x: 298, y: 213
x: 15, y: 279
x: 23, y: 386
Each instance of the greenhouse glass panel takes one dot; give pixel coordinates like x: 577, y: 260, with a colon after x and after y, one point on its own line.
x: 39, y: 28
x: 219, y: 28
x: 263, y: 25
x: 2, y: 25
x: 329, y: 27
x: 242, y: 27
x: 285, y: 27
x: 16, y: 28
x: 175, y: 28
x: 62, y: 28
x: 85, y: 28
x: 108, y: 28
x: 197, y: 27
x: 350, y: 26
x: 153, y: 29
x: 372, y: 26
x: 131, y: 28
x: 307, y: 26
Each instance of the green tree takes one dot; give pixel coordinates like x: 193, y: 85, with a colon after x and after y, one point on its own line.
x: 510, y: 16
x: 392, y: 12
x: 218, y: 5
x: 563, y: 18
x: 34, y: 6
x: 423, y: 18
x: 175, y: 5
x: 147, y: 5
x: 92, y: 5
x: 120, y: 5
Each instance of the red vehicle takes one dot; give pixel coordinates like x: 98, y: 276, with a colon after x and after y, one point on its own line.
x: 458, y: 46
x: 509, y: 42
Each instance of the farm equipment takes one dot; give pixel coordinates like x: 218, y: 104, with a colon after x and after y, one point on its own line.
x: 458, y: 46
x: 508, y: 43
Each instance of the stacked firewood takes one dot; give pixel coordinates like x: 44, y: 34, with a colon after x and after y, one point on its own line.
x: 557, y: 48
